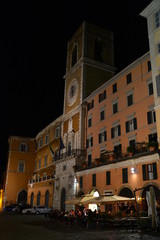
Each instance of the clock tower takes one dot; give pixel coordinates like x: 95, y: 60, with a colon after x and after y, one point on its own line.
x: 89, y: 64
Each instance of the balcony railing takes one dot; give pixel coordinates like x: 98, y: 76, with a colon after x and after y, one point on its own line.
x: 71, y: 153
x: 41, y: 179
x: 108, y: 157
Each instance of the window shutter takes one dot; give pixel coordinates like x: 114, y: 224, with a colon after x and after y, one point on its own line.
x: 127, y: 127
x: 99, y: 137
x: 108, y: 178
x: 144, y: 172
x: 154, y: 170
x: 158, y: 85
x: 119, y: 130
x: 149, y: 117
x: 135, y: 123
x: 125, y: 175
x: 91, y: 141
x: 92, y: 103
x: 105, y: 135
x: 87, y: 143
x: 112, y: 132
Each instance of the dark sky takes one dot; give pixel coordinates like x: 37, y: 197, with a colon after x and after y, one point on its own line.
x: 33, y: 42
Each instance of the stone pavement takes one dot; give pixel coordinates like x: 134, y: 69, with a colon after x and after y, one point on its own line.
x: 31, y: 227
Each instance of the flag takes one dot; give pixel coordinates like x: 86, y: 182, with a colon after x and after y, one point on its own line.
x: 52, y: 152
x: 61, y: 144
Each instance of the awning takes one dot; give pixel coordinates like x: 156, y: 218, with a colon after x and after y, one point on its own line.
x: 109, y: 199
x: 90, y: 199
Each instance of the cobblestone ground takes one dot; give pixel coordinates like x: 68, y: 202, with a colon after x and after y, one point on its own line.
x: 30, y: 227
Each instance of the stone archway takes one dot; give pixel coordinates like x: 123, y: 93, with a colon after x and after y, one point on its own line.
x: 22, y: 197
x: 126, y: 192
x: 63, y: 199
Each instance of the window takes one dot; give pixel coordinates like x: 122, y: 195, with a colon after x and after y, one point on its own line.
x: 89, y: 142
x: 115, y: 108
x: 149, y: 171
x: 57, y: 132
x: 102, y: 96
x: 131, y: 125
x: 151, y: 116
x: 149, y: 66
x: 115, y: 131
x: 125, y: 175
x: 130, y: 100
x: 46, y: 139
x: 39, y: 163
x: 150, y: 88
x: 118, y: 150
x: 89, y: 121
x: 102, y: 115
x: 81, y: 182
x: 90, y: 105
x: 89, y: 159
x: 129, y: 78
x: 102, y: 136
x: 114, y: 87
x: 23, y: 147
x: 158, y: 84
x: 93, y: 180
x: 108, y: 178
x: 74, y: 55
x: 152, y: 137
x: 157, y: 19
x: 45, y: 160
x: 21, y: 166
x: 41, y: 142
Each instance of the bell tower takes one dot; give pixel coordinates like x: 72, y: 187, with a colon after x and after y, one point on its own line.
x: 90, y: 63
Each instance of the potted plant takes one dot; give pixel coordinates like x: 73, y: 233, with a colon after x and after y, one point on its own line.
x: 130, y: 150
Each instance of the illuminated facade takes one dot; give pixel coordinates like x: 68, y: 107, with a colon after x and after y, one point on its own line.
x: 20, y: 168
x: 121, y: 114
x: 152, y: 14
x: 86, y: 150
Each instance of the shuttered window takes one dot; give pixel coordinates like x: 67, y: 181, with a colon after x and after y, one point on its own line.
x: 149, y: 171
x: 125, y: 175
x: 108, y: 178
x: 158, y: 85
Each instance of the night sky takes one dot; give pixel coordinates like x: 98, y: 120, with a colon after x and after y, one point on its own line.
x: 33, y: 43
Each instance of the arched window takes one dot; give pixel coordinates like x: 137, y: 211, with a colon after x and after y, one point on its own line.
x: 47, y: 199
x: 22, y: 197
x: 38, y: 198
x: 74, y: 55
x: 32, y: 198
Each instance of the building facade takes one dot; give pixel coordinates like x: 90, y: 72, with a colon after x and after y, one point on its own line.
x: 20, y: 168
x: 121, y: 117
x: 152, y: 14
x: 86, y: 150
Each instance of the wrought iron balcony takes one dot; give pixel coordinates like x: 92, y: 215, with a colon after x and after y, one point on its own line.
x: 71, y: 153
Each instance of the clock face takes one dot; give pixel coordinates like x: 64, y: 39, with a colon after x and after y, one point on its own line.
x: 72, y: 92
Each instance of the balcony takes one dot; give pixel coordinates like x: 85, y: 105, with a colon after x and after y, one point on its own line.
x: 108, y: 157
x: 41, y: 179
x: 74, y: 152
